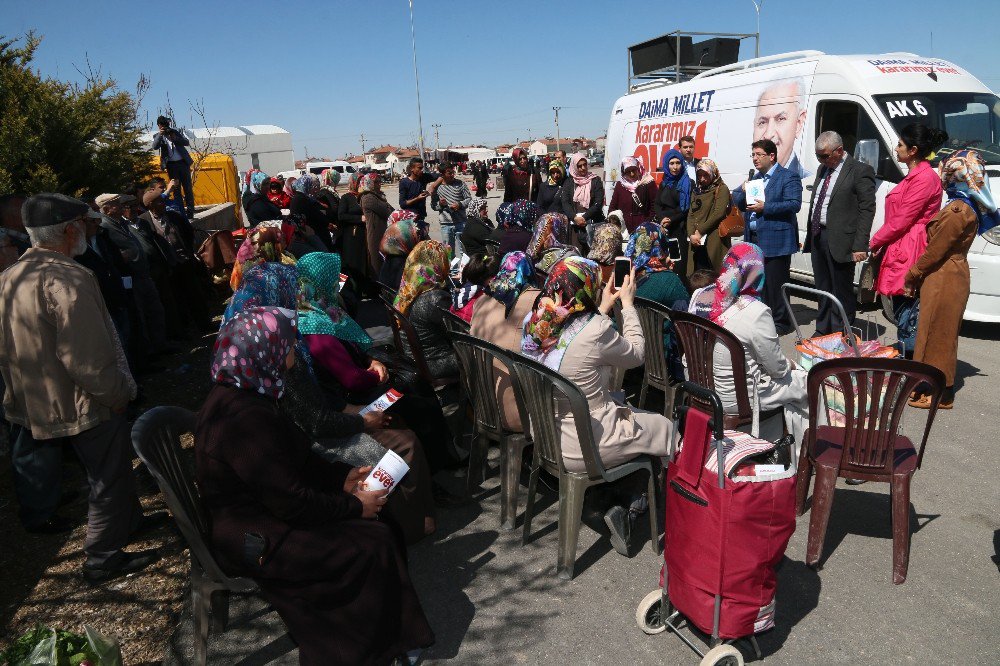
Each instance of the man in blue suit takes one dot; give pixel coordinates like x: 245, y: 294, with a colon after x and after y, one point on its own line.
x: 772, y: 224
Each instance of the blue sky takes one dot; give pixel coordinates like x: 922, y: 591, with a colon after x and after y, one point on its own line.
x: 328, y: 70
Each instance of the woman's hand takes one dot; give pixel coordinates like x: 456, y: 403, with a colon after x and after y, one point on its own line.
x: 372, y: 501
x: 580, y: 220
x: 377, y: 421
x: 627, y: 292
x: 665, y: 223
x: 355, y: 477
x: 379, y: 370
x: 696, y: 238
x: 608, y: 298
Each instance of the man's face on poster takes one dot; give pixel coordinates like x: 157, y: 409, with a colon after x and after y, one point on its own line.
x: 779, y: 118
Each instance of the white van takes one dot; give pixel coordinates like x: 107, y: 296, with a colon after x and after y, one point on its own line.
x: 317, y: 168
x: 790, y: 98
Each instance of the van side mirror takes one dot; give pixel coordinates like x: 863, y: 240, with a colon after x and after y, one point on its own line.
x: 866, y: 151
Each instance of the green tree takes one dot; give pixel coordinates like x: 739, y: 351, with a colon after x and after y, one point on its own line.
x: 66, y: 137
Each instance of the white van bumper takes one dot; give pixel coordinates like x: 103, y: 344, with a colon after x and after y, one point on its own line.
x: 984, y: 297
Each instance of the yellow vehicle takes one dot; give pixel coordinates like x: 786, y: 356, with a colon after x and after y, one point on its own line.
x: 215, y: 182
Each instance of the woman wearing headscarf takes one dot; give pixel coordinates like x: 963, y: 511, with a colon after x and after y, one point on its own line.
x: 399, y: 239
x: 353, y: 240
x: 550, y: 190
x: 303, y: 528
x: 634, y: 194
x: 548, y: 243
x: 734, y: 302
x: 940, y: 277
x: 673, y: 201
x: 276, y: 193
x: 376, y: 210
x: 499, y: 317
x: 583, y: 199
x: 423, y: 296
x: 570, y: 332
x: 264, y: 243
x: 516, y: 220
x: 607, y: 247
x: 478, y: 227
x: 654, y: 279
x: 709, y: 206
x: 308, y: 208
x: 329, y: 198
x: 255, y: 202
x: 519, y: 179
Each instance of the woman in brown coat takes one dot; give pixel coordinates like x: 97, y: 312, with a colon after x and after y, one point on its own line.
x: 708, y: 209
x: 375, y: 210
x: 941, y: 274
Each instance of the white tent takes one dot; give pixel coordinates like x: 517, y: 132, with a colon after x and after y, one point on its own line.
x: 264, y: 147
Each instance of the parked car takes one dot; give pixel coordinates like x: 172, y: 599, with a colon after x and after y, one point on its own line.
x: 597, y: 159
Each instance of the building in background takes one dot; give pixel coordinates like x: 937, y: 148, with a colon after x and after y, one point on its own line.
x: 264, y: 147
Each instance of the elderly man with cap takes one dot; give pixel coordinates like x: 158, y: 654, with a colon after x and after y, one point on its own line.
x: 67, y: 382
x: 144, y: 293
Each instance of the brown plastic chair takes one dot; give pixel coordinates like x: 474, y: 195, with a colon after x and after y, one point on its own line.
x: 478, y: 360
x: 536, y: 388
x: 453, y: 323
x: 868, y: 446
x: 652, y: 317
x: 385, y: 292
x: 698, y: 337
x: 402, y: 328
x: 156, y: 439
x: 492, y: 247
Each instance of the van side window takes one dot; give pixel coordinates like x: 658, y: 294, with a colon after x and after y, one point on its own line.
x: 854, y: 124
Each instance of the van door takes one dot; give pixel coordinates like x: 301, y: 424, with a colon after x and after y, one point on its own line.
x: 850, y: 116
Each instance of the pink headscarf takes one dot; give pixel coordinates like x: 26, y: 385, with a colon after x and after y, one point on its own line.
x: 643, y: 178
x: 287, y: 189
x: 581, y: 193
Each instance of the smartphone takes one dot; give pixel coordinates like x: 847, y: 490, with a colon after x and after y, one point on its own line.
x: 674, y: 249
x: 623, y: 266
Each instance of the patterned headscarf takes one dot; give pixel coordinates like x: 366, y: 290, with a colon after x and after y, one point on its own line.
x: 514, y: 275
x: 712, y: 169
x: 306, y: 184
x: 476, y: 204
x: 964, y: 177
x: 503, y: 215
x: 319, y: 310
x: 331, y: 177
x: 681, y: 182
x: 739, y: 284
x: 645, y: 250
x: 265, y: 242
x: 631, y: 185
x: 551, y: 230
x: 554, y: 254
x: 254, y: 180
x: 370, y: 182
x: 523, y: 214
x: 426, y: 269
x: 402, y: 234
x: 267, y: 284
x: 607, y: 244
x: 567, y: 302
x: 251, y: 349
x: 354, y: 182
x: 557, y: 165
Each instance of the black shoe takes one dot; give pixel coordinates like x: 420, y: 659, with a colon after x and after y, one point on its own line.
x: 54, y: 525
x: 118, y: 565
x: 620, y: 525
x: 785, y: 330
x: 150, y: 522
x: 855, y: 482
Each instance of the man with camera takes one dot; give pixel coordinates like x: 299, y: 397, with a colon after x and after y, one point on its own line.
x: 175, y: 160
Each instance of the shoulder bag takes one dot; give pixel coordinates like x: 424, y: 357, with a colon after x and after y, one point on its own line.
x: 733, y: 223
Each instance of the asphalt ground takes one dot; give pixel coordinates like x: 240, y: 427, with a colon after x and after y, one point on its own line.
x: 491, y: 599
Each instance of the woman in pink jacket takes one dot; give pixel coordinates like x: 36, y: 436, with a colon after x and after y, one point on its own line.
x: 903, y: 236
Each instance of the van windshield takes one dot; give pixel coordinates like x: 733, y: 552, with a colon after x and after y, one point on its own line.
x: 972, y: 120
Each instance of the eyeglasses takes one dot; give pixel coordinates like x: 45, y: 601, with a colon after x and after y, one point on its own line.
x: 758, y: 154
x: 823, y: 156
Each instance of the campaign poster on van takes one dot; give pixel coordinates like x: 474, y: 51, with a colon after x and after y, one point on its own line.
x: 771, y: 103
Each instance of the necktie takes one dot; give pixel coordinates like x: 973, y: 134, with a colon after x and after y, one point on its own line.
x: 818, y: 206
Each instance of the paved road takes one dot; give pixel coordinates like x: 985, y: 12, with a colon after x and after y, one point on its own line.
x: 490, y: 599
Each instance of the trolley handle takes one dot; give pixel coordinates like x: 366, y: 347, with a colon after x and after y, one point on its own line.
x: 718, y: 432
x: 848, y: 333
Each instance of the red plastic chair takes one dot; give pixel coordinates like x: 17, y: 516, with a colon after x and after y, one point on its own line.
x: 868, y: 446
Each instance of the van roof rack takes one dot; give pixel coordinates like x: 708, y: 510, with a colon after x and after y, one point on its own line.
x: 757, y: 62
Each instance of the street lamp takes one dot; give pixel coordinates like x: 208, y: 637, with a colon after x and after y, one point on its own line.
x: 416, y: 78
x: 757, y: 4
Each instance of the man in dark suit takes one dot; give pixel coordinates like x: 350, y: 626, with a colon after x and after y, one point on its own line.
x: 175, y: 160
x: 840, y: 222
x: 771, y: 224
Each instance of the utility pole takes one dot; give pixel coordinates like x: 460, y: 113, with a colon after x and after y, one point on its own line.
x: 437, y: 138
x: 556, y: 109
x: 362, y: 143
x: 416, y: 79
x: 757, y: 5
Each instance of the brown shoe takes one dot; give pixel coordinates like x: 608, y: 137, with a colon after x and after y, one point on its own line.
x: 924, y: 402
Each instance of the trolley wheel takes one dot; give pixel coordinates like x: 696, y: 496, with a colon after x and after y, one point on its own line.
x: 649, y: 614
x: 722, y: 655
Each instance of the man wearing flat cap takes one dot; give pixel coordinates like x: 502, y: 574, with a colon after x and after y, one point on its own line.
x: 67, y: 382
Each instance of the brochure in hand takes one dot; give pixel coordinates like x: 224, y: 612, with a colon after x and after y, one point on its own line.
x: 755, y: 190
x: 390, y: 469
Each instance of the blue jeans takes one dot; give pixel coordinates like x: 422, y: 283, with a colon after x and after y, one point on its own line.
x: 182, y: 172
x: 451, y: 236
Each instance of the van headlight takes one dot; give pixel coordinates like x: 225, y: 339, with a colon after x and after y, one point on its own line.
x: 993, y: 235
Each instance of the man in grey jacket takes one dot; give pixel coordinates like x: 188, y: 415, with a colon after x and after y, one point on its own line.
x: 67, y: 382
x: 840, y: 223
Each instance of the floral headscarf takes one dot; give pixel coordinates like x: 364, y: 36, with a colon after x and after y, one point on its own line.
x: 557, y: 165
x: 426, y: 269
x: 402, y: 234
x: 681, y: 182
x: 645, y: 250
x: 503, y: 215
x: 631, y: 185
x: 581, y: 191
x: 267, y: 284
x: 964, y: 177
x: 319, y: 310
x: 354, y: 182
x: 567, y: 302
x: 265, y: 242
x: 607, y: 244
x: 370, y: 182
x: 251, y: 349
x: 306, y: 184
x: 522, y: 214
x: 254, y: 180
x: 331, y: 177
x: 739, y: 284
x: 476, y: 204
x: 551, y: 230
x: 709, y: 167
x: 513, y: 277
x: 554, y: 254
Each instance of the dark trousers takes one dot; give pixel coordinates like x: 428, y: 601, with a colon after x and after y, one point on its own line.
x: 179, y: 170
x: 835, y: 277
x: 776, y: 273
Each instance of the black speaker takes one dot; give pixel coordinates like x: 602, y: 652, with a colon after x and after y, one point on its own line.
x: 659, y: 53
x: 714, y: 52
